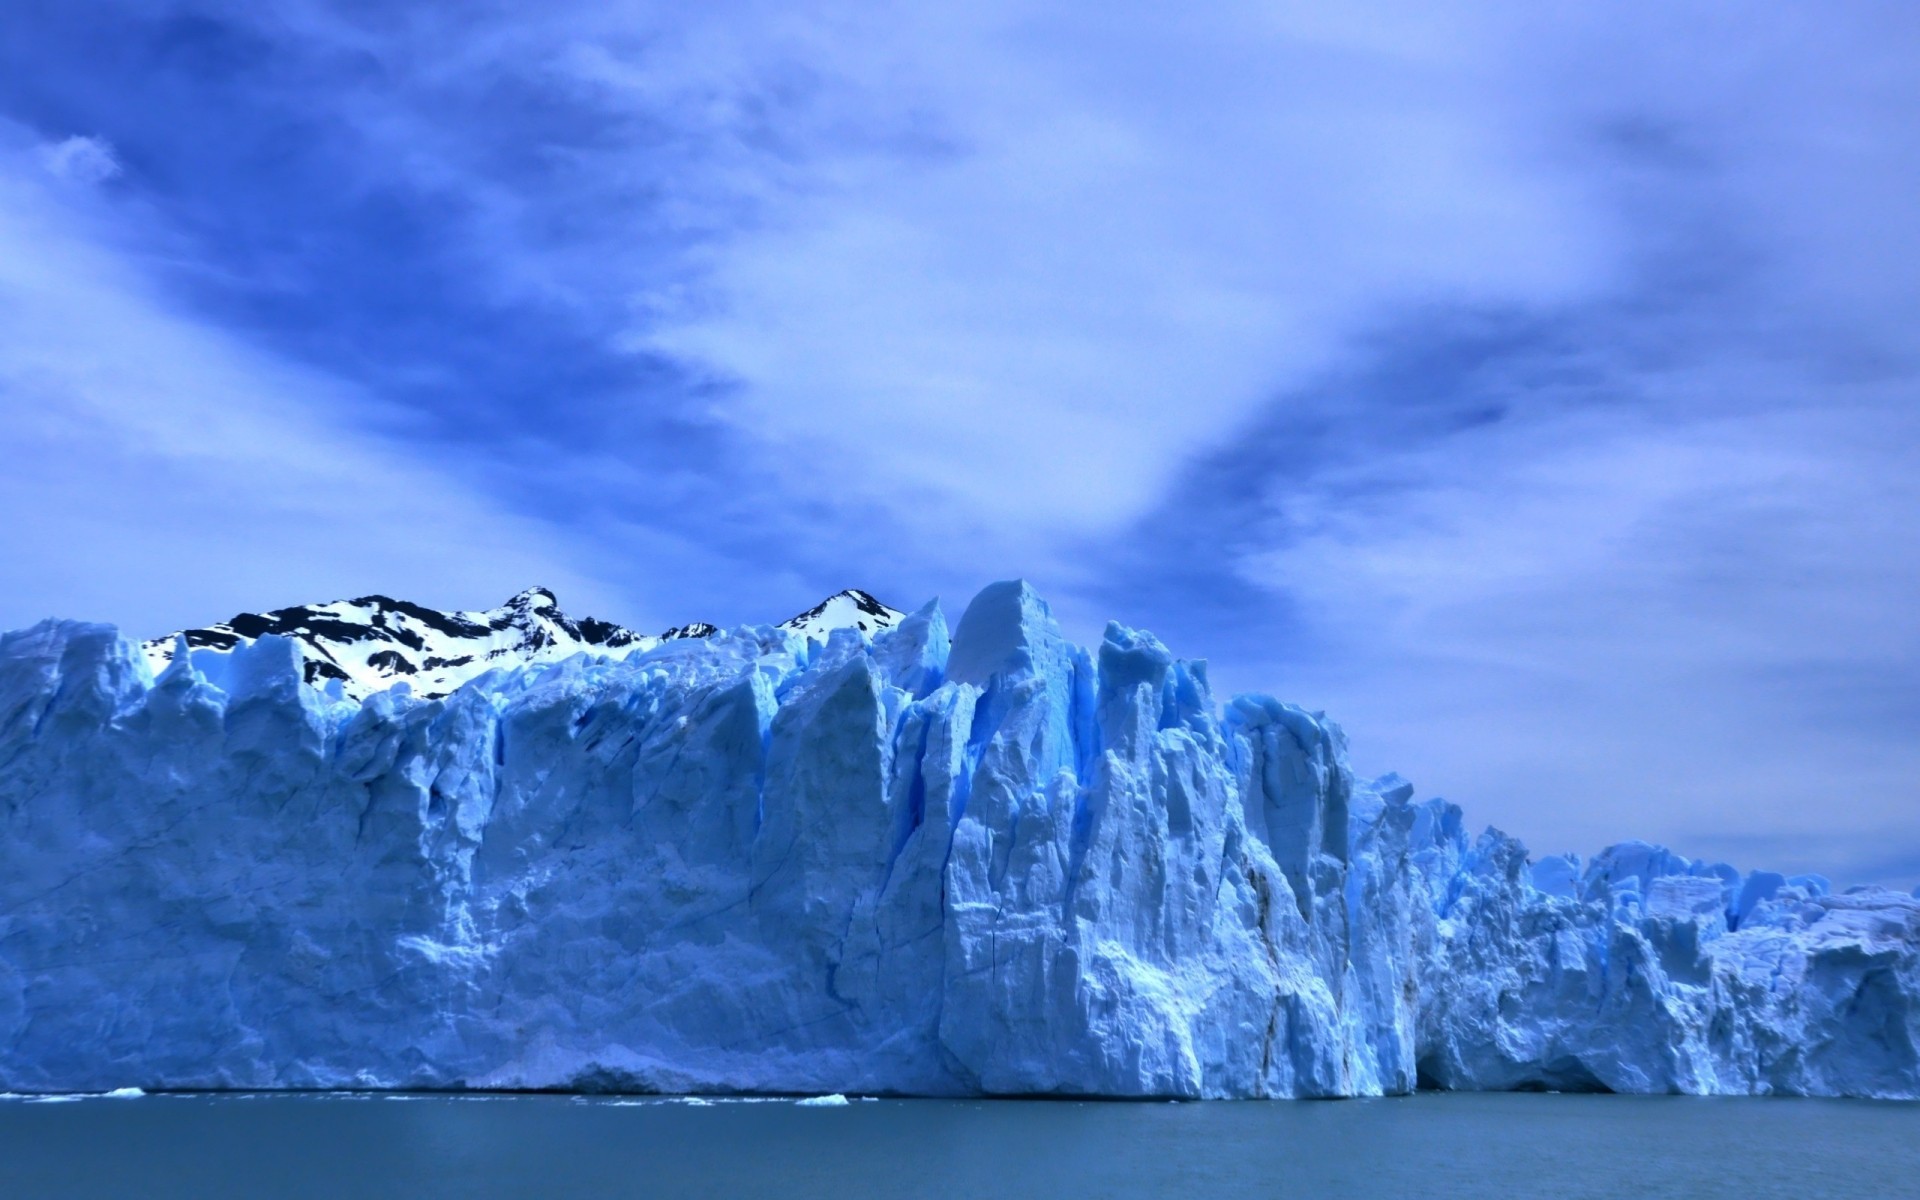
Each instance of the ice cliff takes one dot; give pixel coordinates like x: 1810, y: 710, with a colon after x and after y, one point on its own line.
x: 901, y: 861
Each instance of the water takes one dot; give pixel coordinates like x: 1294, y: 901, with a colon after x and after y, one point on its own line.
x: 1433, y: 1146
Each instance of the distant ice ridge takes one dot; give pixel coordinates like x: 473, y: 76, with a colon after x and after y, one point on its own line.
x: 351, y: 649
x: 872, y: 862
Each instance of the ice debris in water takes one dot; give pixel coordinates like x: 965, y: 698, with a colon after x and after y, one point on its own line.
x: 891, y: 861
x: 832, y: 1100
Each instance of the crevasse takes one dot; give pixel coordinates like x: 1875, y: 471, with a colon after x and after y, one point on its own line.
x: 995, y: 863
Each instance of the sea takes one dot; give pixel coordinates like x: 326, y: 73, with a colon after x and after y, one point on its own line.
x: 477, y: 1147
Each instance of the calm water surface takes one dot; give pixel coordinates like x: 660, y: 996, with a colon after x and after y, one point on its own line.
x: 1439, y: 1146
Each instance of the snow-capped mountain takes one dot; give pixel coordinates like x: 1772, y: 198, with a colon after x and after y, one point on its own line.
x: 850, y: 609
x: 354, y: 648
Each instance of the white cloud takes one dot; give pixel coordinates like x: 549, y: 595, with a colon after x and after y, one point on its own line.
x: 160, y: 472
x: 88, y: 160
x: 1146, y: 228
x: 994, y: 274
x: 1589, y: 630
x: 1684, y: 614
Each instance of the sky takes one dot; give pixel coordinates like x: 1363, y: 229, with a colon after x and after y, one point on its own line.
x: 1535, y: 388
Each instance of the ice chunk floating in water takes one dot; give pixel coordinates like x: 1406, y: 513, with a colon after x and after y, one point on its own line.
x: 818, y: 860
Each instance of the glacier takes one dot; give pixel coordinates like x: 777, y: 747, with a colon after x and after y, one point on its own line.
x: 914, y: 860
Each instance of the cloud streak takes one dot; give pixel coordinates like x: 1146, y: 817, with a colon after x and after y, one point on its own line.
x: 160, y: 471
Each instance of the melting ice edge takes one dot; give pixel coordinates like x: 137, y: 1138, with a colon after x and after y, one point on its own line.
x: 885, y: 862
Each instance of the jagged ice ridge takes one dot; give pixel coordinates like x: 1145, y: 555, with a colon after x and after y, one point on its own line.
x: 351, y: 649
x: 885, y: 861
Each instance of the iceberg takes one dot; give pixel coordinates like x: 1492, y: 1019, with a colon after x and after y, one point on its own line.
x: 899, y: 859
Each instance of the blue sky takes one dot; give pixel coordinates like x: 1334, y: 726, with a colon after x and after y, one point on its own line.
x: 1534, y: 390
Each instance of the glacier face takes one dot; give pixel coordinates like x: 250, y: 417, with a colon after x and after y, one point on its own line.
x: 914, y: 862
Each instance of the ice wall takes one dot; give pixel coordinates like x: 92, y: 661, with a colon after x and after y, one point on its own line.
x: 994, y: 863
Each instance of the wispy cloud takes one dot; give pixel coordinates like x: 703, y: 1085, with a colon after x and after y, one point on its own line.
x: 1142, y: 231
x: 1637, y: 565
x: 81, y: 159
x: 1532, y: 386
x: 161, y: 473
